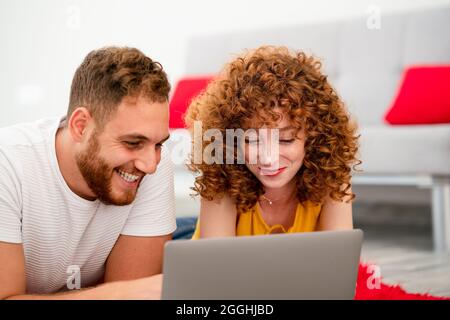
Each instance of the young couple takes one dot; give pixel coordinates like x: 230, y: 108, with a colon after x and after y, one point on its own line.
x: 86, y: 201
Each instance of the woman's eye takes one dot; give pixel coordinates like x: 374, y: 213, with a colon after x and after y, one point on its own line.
x: 287, y: 141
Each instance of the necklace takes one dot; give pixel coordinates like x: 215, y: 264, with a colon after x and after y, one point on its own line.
x: 267, y: 199
x: 263, y: 197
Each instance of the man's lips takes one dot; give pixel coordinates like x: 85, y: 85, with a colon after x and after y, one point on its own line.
x: 270, y: 172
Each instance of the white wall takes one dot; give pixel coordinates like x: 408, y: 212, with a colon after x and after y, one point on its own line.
x: 43, y: 41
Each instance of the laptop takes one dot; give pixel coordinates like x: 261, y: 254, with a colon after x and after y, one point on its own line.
x: 312, y: 265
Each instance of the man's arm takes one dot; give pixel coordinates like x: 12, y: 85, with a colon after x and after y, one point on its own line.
x: 12, y: 276
x: 135, y: 257
x: 13, y: 283
x: 12, y: 269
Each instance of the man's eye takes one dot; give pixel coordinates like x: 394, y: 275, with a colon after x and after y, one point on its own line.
x: 159, y: 145
x: 132, y: 144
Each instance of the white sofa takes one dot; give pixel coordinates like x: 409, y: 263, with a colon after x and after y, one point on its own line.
x: 365, y: 66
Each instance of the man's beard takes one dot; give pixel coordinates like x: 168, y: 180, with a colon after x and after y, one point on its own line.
x: 98, y: 175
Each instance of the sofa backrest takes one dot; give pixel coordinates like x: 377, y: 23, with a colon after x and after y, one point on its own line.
x: 364, y: 65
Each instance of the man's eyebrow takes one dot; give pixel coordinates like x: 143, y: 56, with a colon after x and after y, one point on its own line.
x: 165, y: 139
x: 137, y: 136
x: 134, y: 136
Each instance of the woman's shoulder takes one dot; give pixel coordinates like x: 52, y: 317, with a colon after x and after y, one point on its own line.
x: 310, y: 204
x: 309, y: 207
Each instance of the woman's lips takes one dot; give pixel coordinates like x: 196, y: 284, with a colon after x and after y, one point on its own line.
x: 270, y: 172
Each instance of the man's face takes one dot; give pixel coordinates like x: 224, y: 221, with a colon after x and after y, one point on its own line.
x: 115, y: 160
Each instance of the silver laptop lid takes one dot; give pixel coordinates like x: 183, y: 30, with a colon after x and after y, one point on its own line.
x: 313, y: 265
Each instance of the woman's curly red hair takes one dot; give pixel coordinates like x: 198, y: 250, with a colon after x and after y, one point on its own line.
x: 251, y: 87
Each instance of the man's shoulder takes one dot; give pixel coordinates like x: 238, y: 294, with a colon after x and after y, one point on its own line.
x: 26, y: 134
x: 24, y: 145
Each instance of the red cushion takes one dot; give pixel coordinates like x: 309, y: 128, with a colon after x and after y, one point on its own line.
x: 185, y: 90
x: 423, y: 97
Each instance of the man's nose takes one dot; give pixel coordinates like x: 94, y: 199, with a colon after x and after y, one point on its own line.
x: 147, y: 161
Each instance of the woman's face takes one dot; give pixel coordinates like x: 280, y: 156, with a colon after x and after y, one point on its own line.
x: 275, y: 168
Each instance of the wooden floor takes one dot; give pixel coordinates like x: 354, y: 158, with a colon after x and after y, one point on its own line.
x: 404, y: 253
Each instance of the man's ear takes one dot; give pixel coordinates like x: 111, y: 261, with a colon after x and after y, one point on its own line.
x: 78, y: 123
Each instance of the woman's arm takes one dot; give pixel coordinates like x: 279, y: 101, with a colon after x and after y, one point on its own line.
x: 217, y: 218
x: 335, y: 215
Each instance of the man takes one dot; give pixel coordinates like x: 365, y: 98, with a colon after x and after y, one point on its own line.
x: 88, y: 199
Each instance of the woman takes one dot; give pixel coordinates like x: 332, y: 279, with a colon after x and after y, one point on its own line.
x: 306, y: 184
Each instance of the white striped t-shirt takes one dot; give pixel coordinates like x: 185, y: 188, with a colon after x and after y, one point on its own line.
x: 59, y: 230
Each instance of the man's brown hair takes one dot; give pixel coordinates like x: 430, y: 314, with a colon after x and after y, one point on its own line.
x: 109, y: 74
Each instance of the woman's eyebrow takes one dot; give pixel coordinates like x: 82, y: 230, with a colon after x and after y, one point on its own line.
x: 287, y: 128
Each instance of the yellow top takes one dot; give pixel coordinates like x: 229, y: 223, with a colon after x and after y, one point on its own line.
x: 252, y: 223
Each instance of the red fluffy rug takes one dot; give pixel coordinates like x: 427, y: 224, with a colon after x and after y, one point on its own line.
x: 369, y: 286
